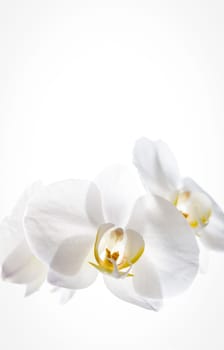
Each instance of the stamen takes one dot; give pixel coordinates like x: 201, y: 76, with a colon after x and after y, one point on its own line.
x: 115, y: 256
x: 108, y: 254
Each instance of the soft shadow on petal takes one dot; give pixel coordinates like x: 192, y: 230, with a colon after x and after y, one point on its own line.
x: 212, y: 235
x: 70, y: 254
x: 23, y: 268
x: 146, y: 280
x: 171, y: 243
x: 58, y: 213
x: 119, y: 187
x: 124, y: 289
x: 157, y: 167
x: 83, y: 279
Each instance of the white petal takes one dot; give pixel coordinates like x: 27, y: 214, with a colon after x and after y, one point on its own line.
x: 119, y: 187
x: 22, y: 267
x: 66, y: 295
x: 191, y: 186
x: 134, y: 245
x: 203, y: 257
x: 83, y: 279
x: 54, y: 217
x: 20, y: 207
x: 212, y: 236
x: 146, y: 281
x: 11, y: 227
x: 94, y: 205
x: 69, y: 256
x: 10, y: 237
x: 124, y: 289
x: 171, y: 244
x: 18, y: 263
x: 157, y: 167
x: 34, y: 286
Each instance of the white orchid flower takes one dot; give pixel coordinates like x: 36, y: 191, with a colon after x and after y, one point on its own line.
x: 160, y: 175
x: 18, y: 264
x: 140, y: 244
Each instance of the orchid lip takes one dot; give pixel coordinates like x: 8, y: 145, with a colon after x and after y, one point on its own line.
x: 116, y: 250
x: 196, y: 207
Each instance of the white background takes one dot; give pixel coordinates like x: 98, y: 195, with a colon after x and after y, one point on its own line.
x: 80, y: 81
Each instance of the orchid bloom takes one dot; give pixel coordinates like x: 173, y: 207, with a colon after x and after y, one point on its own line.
x: 160, y: 175
x: 139, y: 244
x: 18, y: 264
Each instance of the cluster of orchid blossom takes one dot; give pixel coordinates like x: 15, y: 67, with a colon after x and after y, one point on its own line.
x: 143, y: 237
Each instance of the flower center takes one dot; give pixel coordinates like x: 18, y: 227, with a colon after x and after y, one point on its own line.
x: 116, y: 250
x: 196, y: 207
